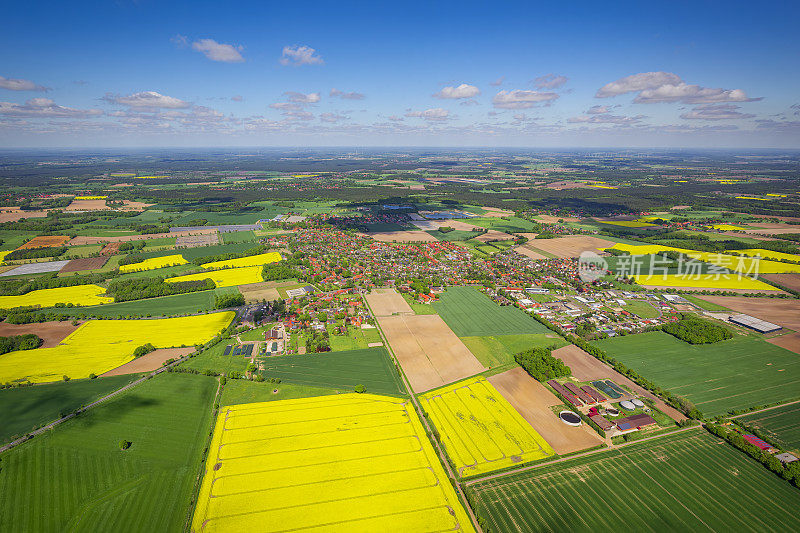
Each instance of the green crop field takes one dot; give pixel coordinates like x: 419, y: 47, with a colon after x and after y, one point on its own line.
x: 238, y: 236
x: 455, y: 235
x: 243, y: 391
x: 496, y: 350
x: 512, y: 225
x: 470, y: 313
x: 178, y: 304
x: 76, y: 478
x: 781, y: 424
x: 739, y: 373
x: 371, y: 367
x: 213, y: 359
x: 27, y: 408
x: 685, y: 482
x: 640, y: 308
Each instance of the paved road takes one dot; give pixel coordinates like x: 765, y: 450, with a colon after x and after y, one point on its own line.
x: 105, y: 398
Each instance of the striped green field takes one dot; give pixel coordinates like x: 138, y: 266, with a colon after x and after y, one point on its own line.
x: 469, y: 313
x: 177, y: 304
x: 691, y: 481
x: 781, y: 424
x: 738, y: 373
x: 76, y: 478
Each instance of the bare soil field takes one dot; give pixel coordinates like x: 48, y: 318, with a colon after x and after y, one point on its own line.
x: 791, y: 281
x: 770, y: 228
x: 51, y: 333
x: 785, y: 313
x: 527, y: 252
x: 193, y: 241
x: 13, y: 214
x: 497, y: 212
x: 111, y: 248
x: 561, y: 185
x: 429, y: 225
x: 87, y: 205
x: 149, y: 362
x: 790, y: 341
x: 255, y: 292
x: 429, y: 352
x: 586, y: 368
x: 79, y: 240
x: 45, y: 241
x: 402, y: 236
x: 549, y: 219
x: 532, y: 400
x: 572, y: 245
x: 494, y: 235
x: 86, y: 263
x: 387, y: 302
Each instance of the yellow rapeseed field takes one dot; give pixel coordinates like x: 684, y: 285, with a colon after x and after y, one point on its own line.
x: 731, y: 262
x: 767, y: 254
x: 102, y: 345
x: 480, y: 430
x: 155, y: 262
x: 251, y: 260
x: 77, y: 295
x: 228, y: 277
x: 349, y: 462
x: 705, y: 281
x: 91, y: 197
x: 726, y: 227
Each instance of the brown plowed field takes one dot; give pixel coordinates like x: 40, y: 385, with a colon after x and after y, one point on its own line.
x: 255, y: 292
x: 785, y: 313
x: 527, y: 252
x: 572, y: 245
x: 790, y: 341
x: 51, y: 333
x: 587, y: 368
x: 45, y: 241
x: 14, y: 214
x: 87, y: 205
x: 79, y: 240
x: 386, y: 302
x: 494, y: 235
x: 429, y: 352
x: 532, y: 400
x: 149, y: 362
x: 86, y: 263
x: 496, y: 212
x: 791, y: 281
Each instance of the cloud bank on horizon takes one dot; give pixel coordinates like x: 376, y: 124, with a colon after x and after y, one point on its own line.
x: 298, y: 84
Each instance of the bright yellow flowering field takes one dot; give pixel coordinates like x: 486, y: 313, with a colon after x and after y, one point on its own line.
x: 77, y: 295
x: 252, y: 260
x: 726, y: 227
x: 731, y: 281
x: 348, y: 462
x: 767, y: 254
x: 480, y: 430
x: 102, y: 345
x: 228, y: 277
x: 154, y: 262
x: 91, y: 197
x: 732, y: 262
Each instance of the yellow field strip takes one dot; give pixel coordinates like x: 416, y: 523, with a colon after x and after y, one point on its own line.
x: 76, y: 295
x: 349, y: 462
x: 228, y: 277
x: 480, y: 430
x: 249, y: 261
x: 731, y: 262
x: 704, y: 281
x: 154, y: 263
x: 102, y: 345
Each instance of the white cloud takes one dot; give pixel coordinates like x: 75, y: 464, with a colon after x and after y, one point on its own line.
x: 661, y: 87
x: 605, y: 118
x: 300, y: 55
x: 181, y: 41
x: 598, y: 110
x: 237, y: 98
x: 286, y: 106
x: 462, y: 91
x: 45, y: 108
x: 435, y: 114
x: 395, y: 118
x: 550, y: 81
x: 716, y: 112
x: 226, y: 53
x: 521, y: 99
x: 332, y: 117
x: 148, y: 99
x: 346, y: 96
x: 13, y: 84
x: 302, y: 98
x: 498, y: 82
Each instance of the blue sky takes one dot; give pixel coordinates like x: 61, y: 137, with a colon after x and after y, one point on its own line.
x: 147, y: 73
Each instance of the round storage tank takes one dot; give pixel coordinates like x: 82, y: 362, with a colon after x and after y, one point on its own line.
x: 627, y: 405
x: 569, y: 418
x: 637, y: 402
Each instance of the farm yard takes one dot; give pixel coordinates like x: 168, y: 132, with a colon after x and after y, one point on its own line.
x: 781, y: 423
x: 346, y: 462
x: 102, y: 345
x: 98, y: 486
x: 739, y: 373
x: 684, y: 482
x: 370, y: 367
x: 480, y: 430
